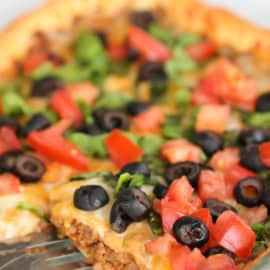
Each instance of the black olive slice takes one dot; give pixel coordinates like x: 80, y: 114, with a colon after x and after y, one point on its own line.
x: 152, y: 71
x: 187, y: 168
x: 209, y: 141
x: 263, y: 103
x: 91, y: 129
x: 136, y: 107
x: 46, y: 86
x: 91, y: 197
x: 29, y: 168
x: 218, y: 250
x: 191, y: 231
x: 142, y: 19
x: 160, y: 191
x: 133, y: 55
x: 136, y: 168
x: 37, y: 122
x: 10, y: 122
x: 249, y: 192
x: 253, y: 135
x: 217, y: 207
x: 8, y: 160
x: 109, y: 119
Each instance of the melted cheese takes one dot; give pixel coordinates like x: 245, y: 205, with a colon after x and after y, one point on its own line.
x: 131, y: 241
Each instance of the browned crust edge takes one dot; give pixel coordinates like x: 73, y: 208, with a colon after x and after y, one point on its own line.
x: 58, y: 15
x: 87, y: 240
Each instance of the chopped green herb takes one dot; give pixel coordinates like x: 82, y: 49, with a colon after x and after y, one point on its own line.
x: 171, y: 128
x: 33, y: 210
x: 90, y: 145
x: 260, y: 119
x: 73, y: 73
x: 182, y: 99
x: 51, y: 115
x: 180, y: 62
x: 113, y: 100
x: 230, y: 138
x: 155, y: 223
x: 150, y: 144
x: 86, y: 111
x: 188, y: 39
x: 14, y: 104
x: 123, y: 181
x: 262, y: 235
x: 161, y: 33
x: 132, y: 137
x: 42, y: 71
x: 155, y: 164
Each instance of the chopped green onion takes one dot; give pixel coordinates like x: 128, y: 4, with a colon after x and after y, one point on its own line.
x: 260, y: 119
x: 171, y: 128
x: 150, y: 144
x: 188, y: 39
x: 182, y: 99
x: 155, y: 223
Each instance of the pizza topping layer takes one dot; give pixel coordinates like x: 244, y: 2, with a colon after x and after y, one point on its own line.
x: 170, y: 134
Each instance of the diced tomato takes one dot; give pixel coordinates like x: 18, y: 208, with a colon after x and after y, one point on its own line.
x: 117, y: 51
x: 200, y: 97
x: 8, y: 140
x: 9, y: 184
x: 202, y: 51
x: 213, y: 117
x: 225, y: 159
x: 204, y: 215
x: 211, y: 185
x: 182, y: 258
x: 83, y: 91
x: 232, y: 233
x: 150, y: 120
x: 180, y: 150
x: 226, y: 82
x: 233, y: 175
x: 64, y: 106
x: 156, y: 205
x: 264, y: 150
x: 121, y: 150
x: 35, y: 60
x: 253, y: 215
x: 219, y: 262
x: 51, y: 144
x: 149, y: 47
x: 160, y: 246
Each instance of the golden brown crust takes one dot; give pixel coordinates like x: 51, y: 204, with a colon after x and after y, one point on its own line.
x: 59, y: 15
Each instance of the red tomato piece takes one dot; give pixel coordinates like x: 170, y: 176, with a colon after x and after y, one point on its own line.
x: 9, y: 184
x: 232, y: 233
x: 35, y: 60
x: 253, y: 215
x: 199, y: 97
x: 204, y: 215
x: 213, y: 117
x: 121, y: 150
x: 149, y: 47
x: 64, y: 106
x: 202, y: 51
x: 225, y: 159
x: 160, y: 246
x: 83, y: 91
x: 51, y: 144
x: 264, y: 150
x: 8, y: 140
x: 219, y: 262
x: 233, y: 175
x: 150, y: 120
x: 117, y: 51
x: 226, y: 82
x: 180, y: 150
x: 211, y: 185
x: 182, y: 258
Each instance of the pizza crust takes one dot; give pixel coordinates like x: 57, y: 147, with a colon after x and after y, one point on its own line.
x: 59, y: 15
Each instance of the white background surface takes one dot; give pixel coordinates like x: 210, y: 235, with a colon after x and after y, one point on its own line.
x: 257, y: 11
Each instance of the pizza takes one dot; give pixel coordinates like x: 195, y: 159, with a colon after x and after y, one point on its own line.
x: 140, y: 130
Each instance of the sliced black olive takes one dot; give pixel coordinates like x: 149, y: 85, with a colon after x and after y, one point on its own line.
x: 102, y: 37
x: 218, y: 250
x: 263, y: 103
x: 89, y: 198
x: 209, y: 141
x: 217, y: 207
x: 266, y: 193
x: 142, y: 19
x: 134, y: 203
x: 152, y: 71
x: 160, y: 191
x: 253, y: 135
x: 8, y: 160
x: 249, y: 191
x: 109, y: 119
x: 119, y: 220
x: 250, y: 158
x: 190, y: 231
x: 133, y: 55
x: 136, y: 168
x: 46, y: 86
x: 136, y: 107
x: 187, y: 168
x: 91, y: 129
x: 10, y: 122
x: 37, y: 122
x: 29, y: 168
